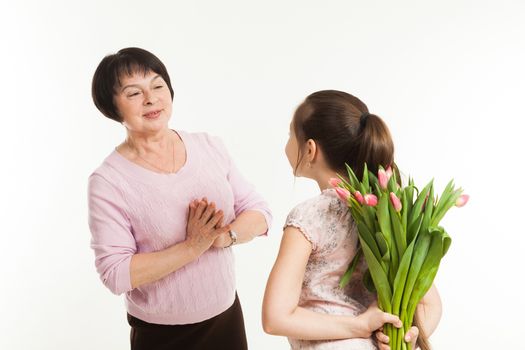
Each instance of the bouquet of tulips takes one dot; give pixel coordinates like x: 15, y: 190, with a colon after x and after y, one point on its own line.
x: 400, y: 238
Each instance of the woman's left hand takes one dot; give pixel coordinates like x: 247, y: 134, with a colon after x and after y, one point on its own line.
x: 410, y: 337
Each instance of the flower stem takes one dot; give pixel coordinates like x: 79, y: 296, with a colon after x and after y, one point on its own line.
x: 387, y: 332
x: 393, y: 340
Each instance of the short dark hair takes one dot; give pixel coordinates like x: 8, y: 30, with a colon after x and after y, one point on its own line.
x: 107, y: 76
x: 333, y: 119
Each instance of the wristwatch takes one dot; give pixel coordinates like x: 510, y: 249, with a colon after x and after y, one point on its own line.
x: 233, y: 236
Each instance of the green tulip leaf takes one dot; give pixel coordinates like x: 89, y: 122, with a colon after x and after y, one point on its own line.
x: 368, y: 282
x: 384, y: 291
x: 350, y: 270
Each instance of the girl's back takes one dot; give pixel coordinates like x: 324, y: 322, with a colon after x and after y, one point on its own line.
x: 327, y: 224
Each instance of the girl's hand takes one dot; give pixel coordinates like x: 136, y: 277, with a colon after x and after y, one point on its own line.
x: 410, y: 337
x: 373, y: 319
x: 202, y: 229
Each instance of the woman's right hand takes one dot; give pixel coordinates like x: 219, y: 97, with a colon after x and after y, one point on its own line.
x: 202, y: 228
x: 374, y: 318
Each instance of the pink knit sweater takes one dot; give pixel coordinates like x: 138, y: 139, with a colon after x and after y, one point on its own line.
x: 134, y: 210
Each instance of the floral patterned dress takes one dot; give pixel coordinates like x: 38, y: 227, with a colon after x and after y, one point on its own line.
x: 326, y: 222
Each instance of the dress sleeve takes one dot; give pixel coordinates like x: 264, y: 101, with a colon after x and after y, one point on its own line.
x: 244, y: 193
x: 304, y: 217
x: 111, y: 236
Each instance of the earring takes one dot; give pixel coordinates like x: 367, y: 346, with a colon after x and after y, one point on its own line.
x: 309, y: 165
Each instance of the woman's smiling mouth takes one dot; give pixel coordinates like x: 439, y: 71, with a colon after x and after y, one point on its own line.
x: 152, y: 115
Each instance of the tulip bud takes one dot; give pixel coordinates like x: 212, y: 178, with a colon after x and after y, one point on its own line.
x: 370, y: 200
x: 334, y: 182
x: 462, y: 200
x: 389, y: 172
x: 425, y: 202
x: 359, y: 197
x: 343, y: 194
x: 395, y: 202
x: 382, y: 178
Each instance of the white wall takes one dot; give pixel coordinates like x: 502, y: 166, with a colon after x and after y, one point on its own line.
x: 447, y: 76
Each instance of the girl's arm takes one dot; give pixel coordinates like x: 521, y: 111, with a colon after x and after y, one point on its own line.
x: 429, y: 311
x: 281, y: 313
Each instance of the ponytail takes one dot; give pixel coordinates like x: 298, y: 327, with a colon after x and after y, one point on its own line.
x: 372, y: 145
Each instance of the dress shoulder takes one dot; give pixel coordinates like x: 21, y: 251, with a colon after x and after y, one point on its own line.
x: 313, y: 216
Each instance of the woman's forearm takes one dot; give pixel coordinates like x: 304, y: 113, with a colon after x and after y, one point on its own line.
x: 150, y: 267
x: 248, y: 225
x: 310, y: 325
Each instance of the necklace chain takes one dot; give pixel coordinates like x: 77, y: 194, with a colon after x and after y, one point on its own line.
x: 153, y: 165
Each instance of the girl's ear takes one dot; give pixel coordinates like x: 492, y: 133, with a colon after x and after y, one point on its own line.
x: 311, y: 150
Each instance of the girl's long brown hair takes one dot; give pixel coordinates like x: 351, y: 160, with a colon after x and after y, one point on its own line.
x: 347, y: 133
x: 333, y: 120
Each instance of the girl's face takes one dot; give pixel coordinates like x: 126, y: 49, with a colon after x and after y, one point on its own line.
x: 143, y: 102
x: 292, y: 149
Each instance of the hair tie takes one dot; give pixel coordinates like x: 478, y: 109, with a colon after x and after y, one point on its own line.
x: 363, y: 118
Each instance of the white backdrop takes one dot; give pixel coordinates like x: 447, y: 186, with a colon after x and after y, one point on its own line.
x: 447, y: 76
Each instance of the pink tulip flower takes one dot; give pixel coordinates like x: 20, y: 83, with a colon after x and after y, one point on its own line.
x: 382, y: 178
x: 389, y: 172
x: 334, y: 182
x: 343, y: 194
x: 359, y: 197
x: 370, y: 200
x: 396, y: 202
x: 462, y: 200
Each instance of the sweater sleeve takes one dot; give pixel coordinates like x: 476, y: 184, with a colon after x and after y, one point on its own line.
x: 111, y: 236
x: 246, y: 197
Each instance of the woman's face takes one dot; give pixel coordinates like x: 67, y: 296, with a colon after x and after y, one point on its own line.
x: 143, y: 102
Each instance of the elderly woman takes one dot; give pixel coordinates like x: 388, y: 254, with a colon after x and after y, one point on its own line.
x: 165, y: 208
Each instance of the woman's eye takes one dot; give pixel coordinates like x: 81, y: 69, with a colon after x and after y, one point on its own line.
x: 133, y: 94
x: 159, y: 87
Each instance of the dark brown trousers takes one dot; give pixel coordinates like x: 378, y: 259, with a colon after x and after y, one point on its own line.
x: 224, y: 331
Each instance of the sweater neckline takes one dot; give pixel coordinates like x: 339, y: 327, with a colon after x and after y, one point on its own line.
x: 148, y: 175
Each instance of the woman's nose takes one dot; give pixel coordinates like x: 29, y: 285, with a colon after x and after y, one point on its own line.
x: 149, y: 98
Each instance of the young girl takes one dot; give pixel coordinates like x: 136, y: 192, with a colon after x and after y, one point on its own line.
x: 303, y: 300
